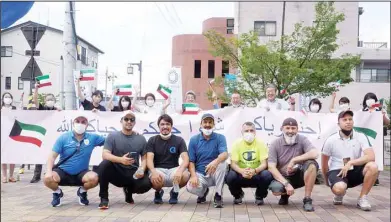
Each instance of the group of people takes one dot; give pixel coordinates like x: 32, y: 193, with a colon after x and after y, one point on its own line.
x: 137, y: 165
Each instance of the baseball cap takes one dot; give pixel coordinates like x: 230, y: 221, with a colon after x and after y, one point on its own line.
x: 207, y: 115
x: 81, y: 115
x: 289, y: 122
x: 343, y: 113
x: 127, y: 112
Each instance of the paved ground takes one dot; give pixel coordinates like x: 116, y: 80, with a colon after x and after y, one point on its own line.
x: 23, y: 201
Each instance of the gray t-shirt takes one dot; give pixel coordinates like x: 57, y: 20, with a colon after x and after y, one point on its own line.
x: 281, y: 153
x: 119, y: 144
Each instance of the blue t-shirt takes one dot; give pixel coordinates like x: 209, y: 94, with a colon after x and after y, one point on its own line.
x: 67, y: 143
x: 202, y: 151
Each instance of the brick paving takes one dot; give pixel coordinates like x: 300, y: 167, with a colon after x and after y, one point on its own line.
x: 23, y: 201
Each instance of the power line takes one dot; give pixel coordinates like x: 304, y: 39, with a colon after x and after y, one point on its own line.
x: 161, y: 12
x: 176, y: 14
x: 38, y: 59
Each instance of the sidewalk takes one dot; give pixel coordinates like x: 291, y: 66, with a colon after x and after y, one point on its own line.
x: 23, y: 201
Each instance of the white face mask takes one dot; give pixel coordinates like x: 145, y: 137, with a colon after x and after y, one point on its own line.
x: 289, y: 139
x: 249, y: 137
x: 79, y: 128
x: 370, y: 102
x: 150, y: 102
x: 207, y: 132
x: 50, y: 103
x: 165, y: 137
x: 314, y: 108
x: 7, y: 101
x: 344, y: 107
x: 125, y: 104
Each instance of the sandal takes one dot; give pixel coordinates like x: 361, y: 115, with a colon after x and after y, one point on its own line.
x: 12, y: 180
x: 5, y: 180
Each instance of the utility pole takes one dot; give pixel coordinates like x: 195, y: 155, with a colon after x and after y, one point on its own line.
x: 70, y: 56
x: 106, y: 78
x: 62, y: 83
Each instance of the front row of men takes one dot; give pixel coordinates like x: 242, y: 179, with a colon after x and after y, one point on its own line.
x: 288, y: 164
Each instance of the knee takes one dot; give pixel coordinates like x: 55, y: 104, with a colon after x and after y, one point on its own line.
x: 231, y: 177
x: 93, y: 179
x: 48, y: 181
x: 266, y: 175
x: 157, y: 185
x: 339, y: 188
x: 311, y: 167
x: 185, y: 177
x: 372, y: 167
x: 277, y: 188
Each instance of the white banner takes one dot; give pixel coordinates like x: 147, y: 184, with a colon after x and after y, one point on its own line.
x: 316, y: 127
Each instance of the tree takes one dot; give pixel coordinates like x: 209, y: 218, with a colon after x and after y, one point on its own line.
x: 300, y: 62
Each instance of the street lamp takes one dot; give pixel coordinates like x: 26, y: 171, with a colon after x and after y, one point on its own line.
x: 140, y: 69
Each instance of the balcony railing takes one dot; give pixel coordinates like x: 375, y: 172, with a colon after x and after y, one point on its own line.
x: 373, y: 75
x: 372, y: 45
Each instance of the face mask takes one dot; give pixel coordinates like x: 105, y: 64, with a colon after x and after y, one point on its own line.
x: 50, y: 103
x: 344, y: 107
x: 125, y: 104
x: 150, y: 103
x: 370, y: 102
x: 248, y: 137
x: 79, y: 128
x: 289, y: 139
x: 207, y: 132
x: 314, y: 108
x: 236, y: 105
x: 7, y: 101
x: 165, y: 137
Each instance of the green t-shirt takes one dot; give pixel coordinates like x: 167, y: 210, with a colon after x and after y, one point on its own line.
x: 249, y: 155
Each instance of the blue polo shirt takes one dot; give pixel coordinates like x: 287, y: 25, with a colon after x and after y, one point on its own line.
x: 67, y: 143
x: 202, y: 151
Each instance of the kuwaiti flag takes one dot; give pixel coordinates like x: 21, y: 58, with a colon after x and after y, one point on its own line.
x: 43, y: 81
x: 164, y: 91
x: 303, y: 111
x: 124, y: 90
x: 27, y: 133
x: 87, y: 75
x: 190, y: 108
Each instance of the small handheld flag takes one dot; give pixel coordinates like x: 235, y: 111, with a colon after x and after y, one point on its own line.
x: 190, y: 108
x: 43, y: 81
x: 124, y: 90
x: 303, y: 111
x: 164, y: 91
x: 85, y: 74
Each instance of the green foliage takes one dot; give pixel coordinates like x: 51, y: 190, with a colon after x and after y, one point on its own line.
x: 300, y: 62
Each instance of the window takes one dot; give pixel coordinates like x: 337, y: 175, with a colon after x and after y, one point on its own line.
x: 8, y: 82
x: 211, y: 69
x: 20, y: 83
x: 225, y: 67
x: 230, y: 31
x: 265, y: 28
x: 197, y: 69
x: 83, y: 55
x: 230, y: 23
x: 6, y: 51
x: 374, y: 75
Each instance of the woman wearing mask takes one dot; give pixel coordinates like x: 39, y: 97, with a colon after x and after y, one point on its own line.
x: 150, y: 105
x: 315, y: 105
x: 344, y: 104
x: 369, y: 105
x: 124, y: 103
x: 6, y: 105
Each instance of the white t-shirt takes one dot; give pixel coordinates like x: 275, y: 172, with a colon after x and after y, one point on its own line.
x: 152, y: 110
x: 338, y: 148
x: 277, y: 104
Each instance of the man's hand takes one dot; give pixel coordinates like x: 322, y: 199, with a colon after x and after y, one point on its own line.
x: 245, y: 174
x: 289, y: 190
x: 125, y: 160
x: 289, y: 167
x: 95, y: 110
x: 177, y: 177
x: 344, y: 171
x: 156, y: 177
x: 168, y: 101
x: 49, y: 175
x: 211, y: 167
x: 292, y: 100
x: 193, y: 181
x: 140, y: 173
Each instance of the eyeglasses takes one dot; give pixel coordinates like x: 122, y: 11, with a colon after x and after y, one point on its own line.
x: 126, y: 119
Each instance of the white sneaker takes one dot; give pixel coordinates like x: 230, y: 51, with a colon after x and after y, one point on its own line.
x: 338, y: 199
x: 363, y: 203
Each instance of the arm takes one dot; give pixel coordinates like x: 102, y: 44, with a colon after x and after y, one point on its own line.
x: 192, y: 170
x: 35, y: 96
x: 331, y: 108
x: 192, y: 157
x: 50, y: 163
x: 236, y: 168
x: 368, y: 156
x: 143, y: 161
x: 79, y: 92
x: 185, y: 162
x: 386, y: 120
x: 223, y: 156
x: 110, y: 105
x: 107, y: 155
x: 261, y: 167
x: 150, y: 164
x: 325, y: 166
x: 276, y: 174
x: 311, y: 155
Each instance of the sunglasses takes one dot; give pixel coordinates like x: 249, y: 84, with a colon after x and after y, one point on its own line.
x: 81, y: 121
x: 126, y: 119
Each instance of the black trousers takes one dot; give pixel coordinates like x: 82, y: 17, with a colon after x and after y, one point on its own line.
x: 120, y: 177
x: 37, y: 171
x: 261, y: 181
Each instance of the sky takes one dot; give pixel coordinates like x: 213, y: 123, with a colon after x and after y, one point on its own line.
x: 132, y: 31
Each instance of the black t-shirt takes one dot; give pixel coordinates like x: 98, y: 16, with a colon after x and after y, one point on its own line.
x: 167, y: 152
x: 87, y: 105
x: 41, y: 107
x: 116, y: 109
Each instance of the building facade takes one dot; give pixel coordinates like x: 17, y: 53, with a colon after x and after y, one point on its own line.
x: 373, y: 75
x: 190, y: 52
x: 19, y: 42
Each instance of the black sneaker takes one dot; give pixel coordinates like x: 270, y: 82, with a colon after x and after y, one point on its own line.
x: 35, y: 180
x: 203, y: 198
x: 56, y: 202
x: 307, y: 204
x: 158, y: 197
x: 284, y: 200
x: 82, y: 198
x: 104, y: 204
x: 128, y: 196
x: 377, y: 183
x: 173, y: 197
x: 239, y: 200
x: 218, y: 201
x: 259, y: 201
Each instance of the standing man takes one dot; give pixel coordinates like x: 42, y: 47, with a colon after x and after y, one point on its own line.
x: 121, y: 162
x: 163, y: 152
x: 75, y: 149
x: 249, y: 166
x: 348, y: 160
x: 273, y: 103
x: 236, y: 101
x: 292, y: 162
x: 208, y: 153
